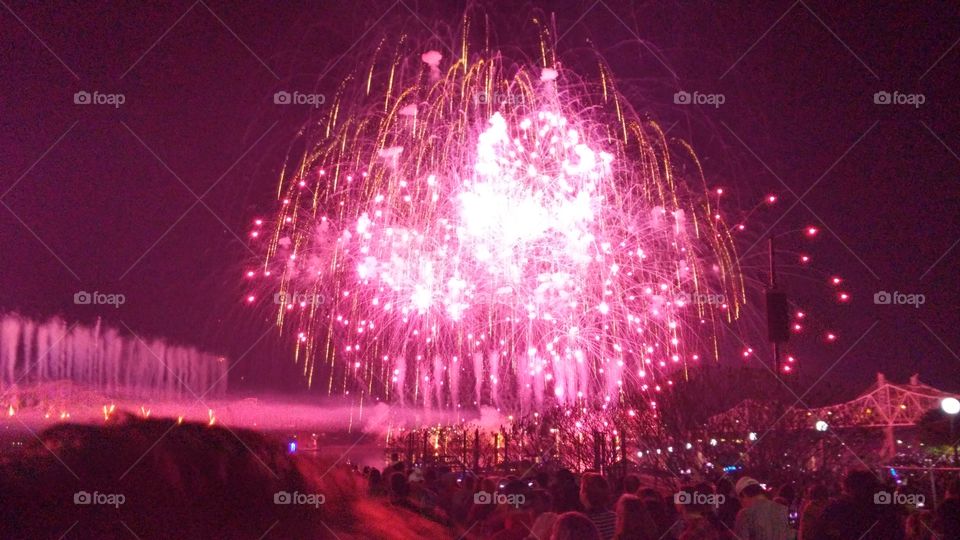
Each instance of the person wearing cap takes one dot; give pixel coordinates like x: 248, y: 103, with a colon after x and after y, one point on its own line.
x: 760, y: 518
x: 416, y: 475
x: 423, y: 496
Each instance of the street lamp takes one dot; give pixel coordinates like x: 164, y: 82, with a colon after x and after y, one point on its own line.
x: 951, y: 406
x: 778, y: 322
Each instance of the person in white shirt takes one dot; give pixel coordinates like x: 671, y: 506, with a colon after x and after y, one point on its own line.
x: 760, y: 518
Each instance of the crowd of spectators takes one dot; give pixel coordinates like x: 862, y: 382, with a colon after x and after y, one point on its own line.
x: 542, y: 505
x: 163, y: 479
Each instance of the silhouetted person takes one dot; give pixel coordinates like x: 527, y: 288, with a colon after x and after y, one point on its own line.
x: 595, y: 497
x: 633, y: 520
x: 374, y: 482
x: 187, y: 480
x: 544, y: 516
x: 811, y: 515
x: 728, y: 509
x: 565, y: 492
x: 920, y: 526
x: 653, y: 502
x: 574, y: 526
x: 631, y: 484
x: 861, y: 512
x: 948, y: 513
x: 697, y: 513
x: 760, y: 518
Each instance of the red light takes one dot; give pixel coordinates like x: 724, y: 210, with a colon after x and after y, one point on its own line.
x: 771, y: 199
x: 804, y: 259
x: 812, y: 231
x: 801, y: 314
x: 831, y: 337
x: 843, y: 297
x: 835, y: 280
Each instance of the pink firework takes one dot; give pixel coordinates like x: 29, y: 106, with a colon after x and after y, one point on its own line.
x: 464, y: 236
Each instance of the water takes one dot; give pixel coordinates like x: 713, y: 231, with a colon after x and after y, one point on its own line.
x: 101, y: 358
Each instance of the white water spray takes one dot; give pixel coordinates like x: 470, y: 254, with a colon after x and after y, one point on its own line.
x: 99, y: 357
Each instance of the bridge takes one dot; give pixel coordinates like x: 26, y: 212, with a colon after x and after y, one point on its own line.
x: 884, y: 405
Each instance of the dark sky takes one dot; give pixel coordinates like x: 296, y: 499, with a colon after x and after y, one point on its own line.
x: 152, y: 199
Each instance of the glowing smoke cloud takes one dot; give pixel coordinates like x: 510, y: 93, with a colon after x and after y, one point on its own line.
x: 468, y: 238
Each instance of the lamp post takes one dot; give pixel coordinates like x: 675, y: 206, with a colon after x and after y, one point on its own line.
x: 778, y: 323
x: 821, y: 427
x: 951, y: 406
x: 777, y: 319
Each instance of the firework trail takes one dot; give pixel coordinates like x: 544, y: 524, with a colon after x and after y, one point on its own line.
x: 464, y: 231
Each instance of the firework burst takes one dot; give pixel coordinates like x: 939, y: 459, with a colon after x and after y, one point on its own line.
x: 465, y: 232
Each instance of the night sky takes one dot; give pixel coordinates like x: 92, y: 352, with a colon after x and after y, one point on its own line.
x: 153, y: 198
